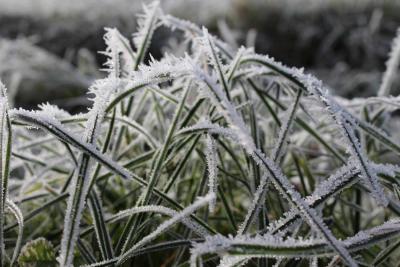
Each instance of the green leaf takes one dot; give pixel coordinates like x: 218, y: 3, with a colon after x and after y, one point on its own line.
x: 38, y: 253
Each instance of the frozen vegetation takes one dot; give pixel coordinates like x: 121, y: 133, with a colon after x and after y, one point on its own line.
x: 212, y: 155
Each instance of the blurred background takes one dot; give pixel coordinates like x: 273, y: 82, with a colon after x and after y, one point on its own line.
x: 49, y: 48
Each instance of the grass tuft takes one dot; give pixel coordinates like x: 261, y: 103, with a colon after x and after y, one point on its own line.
x: 213, y: 157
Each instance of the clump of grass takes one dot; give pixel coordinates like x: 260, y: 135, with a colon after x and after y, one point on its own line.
x: 216, y: 158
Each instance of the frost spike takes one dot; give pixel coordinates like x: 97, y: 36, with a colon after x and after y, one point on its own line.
x: 118, y: 48
x: 147, y: 24
x: 211, y: 157
x: 235, y: 63
x: 216, y: 61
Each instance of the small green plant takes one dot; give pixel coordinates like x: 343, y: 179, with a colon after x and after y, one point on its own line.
x: 212, y: 158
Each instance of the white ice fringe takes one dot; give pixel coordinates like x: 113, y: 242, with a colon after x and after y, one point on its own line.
x: 212, y: 162
x: 388, y: 102
x: 233, y: 261
x: 255, y: 204
x: 147, y: 24
x: 235, y: 63
x: 120, y: 62
x: 197, y: 228
x: 54, y: 111
x: 155, y: 72
x: 284, y: 130
x: 4, y: 137
x: 220, y: 244
x: 214, y: 57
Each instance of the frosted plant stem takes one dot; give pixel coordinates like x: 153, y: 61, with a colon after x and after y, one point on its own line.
x: 80, y: 184
x: 2, y: 189
x: 392, y: 66
x: 102, y: 234
x: 54, y: 128
x: 20, y: 220
x: 345, y: 122
x: 258, y: 196
x: 268, y: 246
x: 167, y: 224
x: 157, y: 163
x: 216, y: 62
x: 278, y: 178
x: 211, y: 158
x: 78, y: 191
x: 147, y: 23
x: 134, y: 221
x: 5, y: 154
